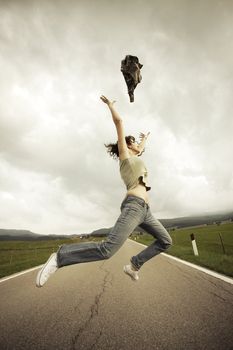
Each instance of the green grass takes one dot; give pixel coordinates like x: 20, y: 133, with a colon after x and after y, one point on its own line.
x: 17, y: 256
x: 208, y: 243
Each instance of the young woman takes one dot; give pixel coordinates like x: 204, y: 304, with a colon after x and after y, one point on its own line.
x: 135, y: 211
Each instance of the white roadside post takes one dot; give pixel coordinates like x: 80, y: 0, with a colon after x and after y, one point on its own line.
x: 194, y: 244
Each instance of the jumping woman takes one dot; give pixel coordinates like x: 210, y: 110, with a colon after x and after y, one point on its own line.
x: 135, y: 211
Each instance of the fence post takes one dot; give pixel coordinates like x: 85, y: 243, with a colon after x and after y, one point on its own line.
x: 194, y: 245
x: 223, y: 248
x: 11, y: 257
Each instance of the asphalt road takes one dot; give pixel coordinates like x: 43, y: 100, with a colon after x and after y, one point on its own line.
x: 96, y: 306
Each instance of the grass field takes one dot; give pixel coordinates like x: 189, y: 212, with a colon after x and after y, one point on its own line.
x: 209, y: 246
x: 17, y: 256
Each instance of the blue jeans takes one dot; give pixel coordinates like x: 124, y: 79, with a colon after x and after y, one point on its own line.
x: 134, y: 212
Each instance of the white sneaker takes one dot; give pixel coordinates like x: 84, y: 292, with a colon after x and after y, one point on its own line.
x: 47, y: 270
x: 132, y: 273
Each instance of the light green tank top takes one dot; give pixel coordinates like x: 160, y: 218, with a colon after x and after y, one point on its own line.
x: 133, y: 172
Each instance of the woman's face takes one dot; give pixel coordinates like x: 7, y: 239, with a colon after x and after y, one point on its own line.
x: 134, y: 146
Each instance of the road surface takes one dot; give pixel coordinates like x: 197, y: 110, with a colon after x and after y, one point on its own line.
x: 96, y: 306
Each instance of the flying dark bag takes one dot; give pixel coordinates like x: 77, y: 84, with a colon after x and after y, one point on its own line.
x: 130, y: 68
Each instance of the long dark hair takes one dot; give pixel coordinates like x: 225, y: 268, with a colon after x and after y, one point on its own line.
x: 112, y: 148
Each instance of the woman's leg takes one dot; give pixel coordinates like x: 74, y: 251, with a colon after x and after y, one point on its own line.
x: 131, y: 216
x: 163, y: 241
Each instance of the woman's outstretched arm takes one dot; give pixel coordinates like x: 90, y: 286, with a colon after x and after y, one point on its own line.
x: 115, y: 116
x: 122, y: 146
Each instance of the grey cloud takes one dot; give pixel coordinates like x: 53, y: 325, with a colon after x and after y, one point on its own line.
x: 59, y: 58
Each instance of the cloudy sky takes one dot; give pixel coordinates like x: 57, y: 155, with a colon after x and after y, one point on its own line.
x: 58, y: 57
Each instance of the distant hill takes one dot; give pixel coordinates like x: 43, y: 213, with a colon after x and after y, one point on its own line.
x: 25, y: 235
x: 197, y: 220
x: 189, y: 221
x: 101, y: 232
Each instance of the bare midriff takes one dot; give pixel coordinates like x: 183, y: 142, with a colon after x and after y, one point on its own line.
x: 139, y: 191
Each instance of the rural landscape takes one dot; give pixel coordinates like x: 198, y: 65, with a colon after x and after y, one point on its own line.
x: 21, y: 250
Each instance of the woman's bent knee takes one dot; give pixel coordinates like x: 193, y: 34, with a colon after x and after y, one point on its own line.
x: 167, y: 243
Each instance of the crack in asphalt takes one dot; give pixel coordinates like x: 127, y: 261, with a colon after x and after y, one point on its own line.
x: 191, y: 282
x: 218, y: 285
x: 96, y: 340
x: 94, y: 310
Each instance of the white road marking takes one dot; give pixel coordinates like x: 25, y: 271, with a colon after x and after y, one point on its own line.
x: 18, y: 274
x: 203, y: 269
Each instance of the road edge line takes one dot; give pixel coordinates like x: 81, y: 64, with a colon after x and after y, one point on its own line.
x: 3, y: 279
x: 197, y: 267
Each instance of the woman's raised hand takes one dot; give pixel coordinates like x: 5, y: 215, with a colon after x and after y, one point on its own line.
x: 143, y: 136
x: 106, y: 100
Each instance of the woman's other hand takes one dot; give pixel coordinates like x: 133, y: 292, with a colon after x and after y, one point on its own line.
x: 143, y: 136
